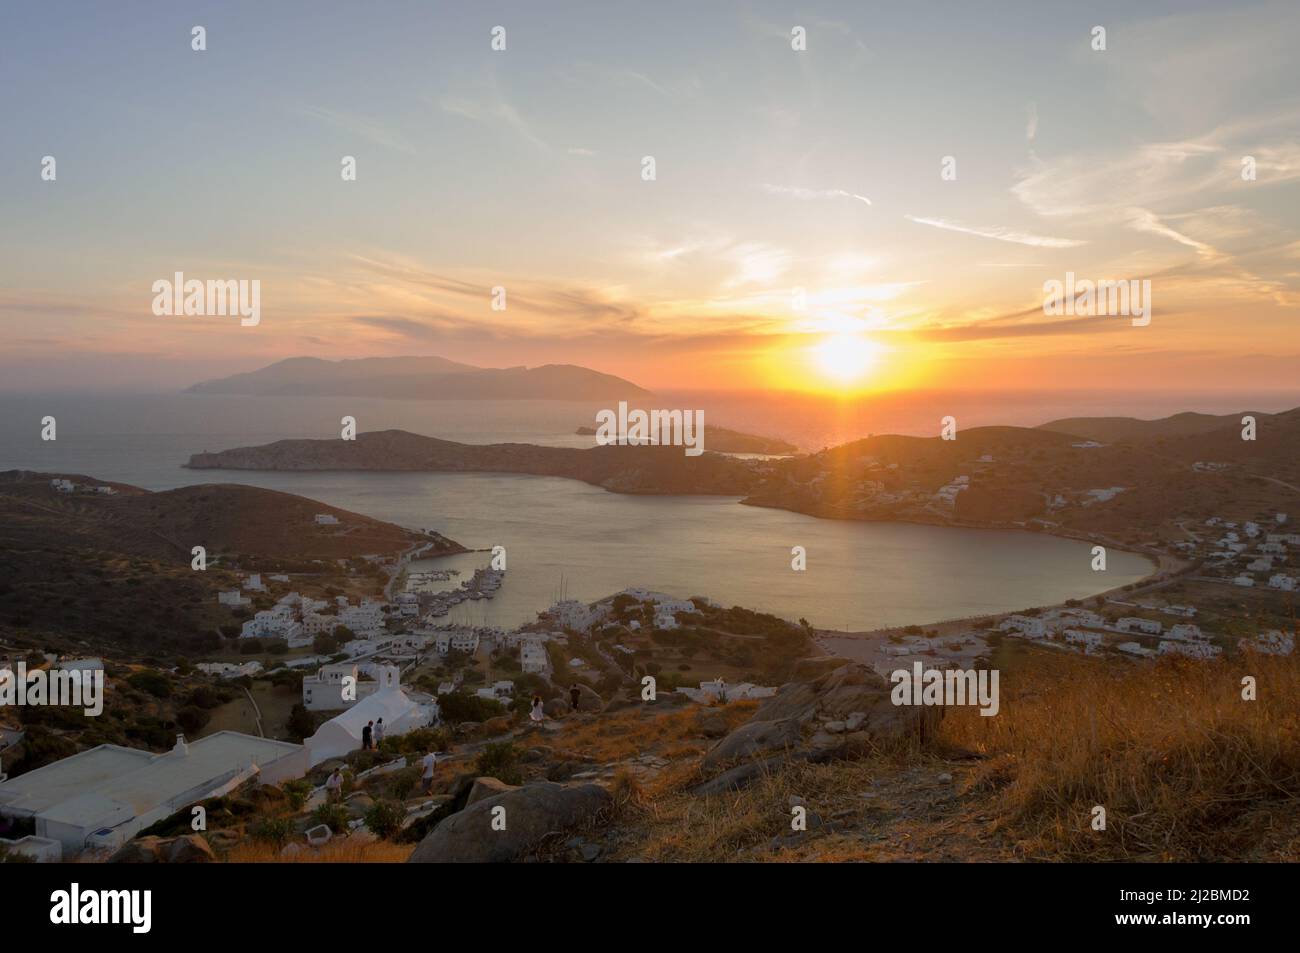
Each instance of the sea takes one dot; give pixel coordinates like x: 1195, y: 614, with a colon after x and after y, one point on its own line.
x: 566, y: 539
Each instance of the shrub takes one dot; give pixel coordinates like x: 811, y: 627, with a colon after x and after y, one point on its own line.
x: 500, y: 760
x: 155, y: 683
x: 298, y: 791
x: 461, y: 706
x: 334, y: 816
x: 385, y: 818
x: 272, y: 830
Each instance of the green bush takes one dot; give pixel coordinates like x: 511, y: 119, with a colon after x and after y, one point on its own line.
x: 155, y: 683
x: 500, y: 760
x: 298, y: 790
x: 273, y: 830
x: 335, y: 816
x: 385, y: 818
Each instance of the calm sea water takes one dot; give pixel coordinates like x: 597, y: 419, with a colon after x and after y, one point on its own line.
x: 565, y: 537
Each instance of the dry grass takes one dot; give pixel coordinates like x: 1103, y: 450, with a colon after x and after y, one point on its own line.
x: 1185, y: 768
x: 626, y: 734
x: 335, y: 852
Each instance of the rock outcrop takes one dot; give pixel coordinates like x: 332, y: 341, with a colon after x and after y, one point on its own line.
x: 530, y: 814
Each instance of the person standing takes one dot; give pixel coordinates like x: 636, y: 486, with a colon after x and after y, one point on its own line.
x: 334, y: 786
x: 430, y: 760
x: 575, y: 696
x: 379, y: 733
x: 537, y: 714
x: 367, y: 734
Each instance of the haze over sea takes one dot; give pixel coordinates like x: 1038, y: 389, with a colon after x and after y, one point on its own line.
x: 564, y: 536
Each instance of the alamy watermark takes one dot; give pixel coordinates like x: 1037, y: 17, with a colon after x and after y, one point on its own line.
x: 1131, y: 298
x: 953, y: 686
x: 229, y: 296
x: 62, y: 687
x: 675, y: 428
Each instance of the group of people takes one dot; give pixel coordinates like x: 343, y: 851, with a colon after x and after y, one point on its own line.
x: 372, y: 736
x: 538, y: 713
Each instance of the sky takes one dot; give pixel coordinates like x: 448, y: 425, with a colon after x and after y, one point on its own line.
x: 797, y: 234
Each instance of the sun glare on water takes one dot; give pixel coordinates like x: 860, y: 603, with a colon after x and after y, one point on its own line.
x: 846, y: 360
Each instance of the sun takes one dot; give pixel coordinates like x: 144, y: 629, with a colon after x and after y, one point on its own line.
x: 846, y: 359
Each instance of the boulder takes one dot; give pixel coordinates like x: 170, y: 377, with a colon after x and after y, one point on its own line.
x: 754, y: 738
x: 712, y: 724
x: 487, y: 787
x: 190, y: 849
x: 496, y: 726
x: 142, y: 850
x: 556, y: 708
x: 849, y: 693
x: 536, y: 754
x: 358, y: 804
x: 531, y: 813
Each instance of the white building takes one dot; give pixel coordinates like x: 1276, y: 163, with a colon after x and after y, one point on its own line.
x: 1275, y: 642
x: 230, y: 669
x: 1186, y: 631
x: 459, y: 640
x: 1133, y: 648
x: 1028, y: 626
x: 254, y: 582
x: 533, y: 658
x: 63, y: 486
x: 1282, y: 581
x: 1090, y: 642
x: 572, y: 614
x: 719, y: 690
x: 342, y: 733
x: 1244, y: 581
x: 1191, y: 649
x: 326, y: 519
x: 339, y: 686
x: 1135, y: 624
x: 232, y: 597
x: 80, y: 665
x: 103, y: 797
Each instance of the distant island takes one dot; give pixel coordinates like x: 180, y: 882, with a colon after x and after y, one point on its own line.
x: 731, y: 441
x: 1141, y: 490
x: 423, y: 378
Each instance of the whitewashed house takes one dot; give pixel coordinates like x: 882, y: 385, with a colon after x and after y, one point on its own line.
x: 1136, y: 624
x: 1190, y: 649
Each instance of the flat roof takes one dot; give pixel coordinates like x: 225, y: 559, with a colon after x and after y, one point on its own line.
x: 38, y: 790
x: 93, y: 781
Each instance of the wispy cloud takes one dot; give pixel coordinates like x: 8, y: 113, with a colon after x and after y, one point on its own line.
x: 492, y: 109
x: 361, y: 126
x: 998, y: 232
x: 808, y: 195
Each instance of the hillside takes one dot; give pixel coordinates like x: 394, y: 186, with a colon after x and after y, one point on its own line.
x: 116, y: 568
x: 723, y: 440
x: 1185, y: 771
x: 622, y: 469
x: 1134, y: 430
x: 423, y: 378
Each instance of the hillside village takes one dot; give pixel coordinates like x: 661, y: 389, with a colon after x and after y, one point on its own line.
x: 313, y: 654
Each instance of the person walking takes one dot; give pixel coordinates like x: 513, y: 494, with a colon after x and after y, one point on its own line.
x: 379, y: 733
x: 367, y: 736
x: 575, y: 696
x: 537, y: 714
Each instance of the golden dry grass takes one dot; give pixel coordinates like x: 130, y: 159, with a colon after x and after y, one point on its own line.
x: 335, y: 852
x: 1184, y: 767
x: 626, y: 734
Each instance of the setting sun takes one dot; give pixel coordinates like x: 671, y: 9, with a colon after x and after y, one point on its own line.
x: 846, y: 358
